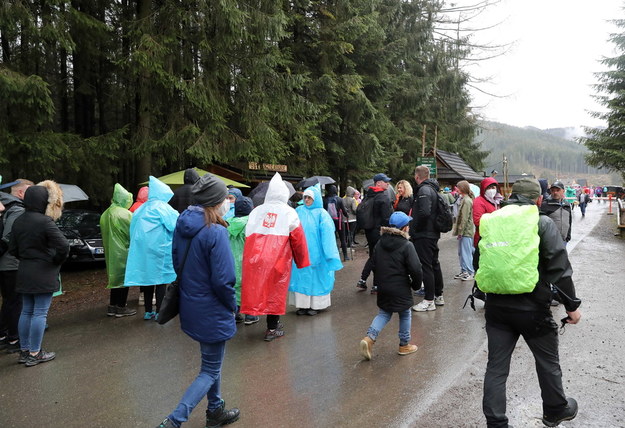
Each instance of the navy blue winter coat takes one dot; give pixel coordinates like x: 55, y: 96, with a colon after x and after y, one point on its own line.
x: 207, y: 299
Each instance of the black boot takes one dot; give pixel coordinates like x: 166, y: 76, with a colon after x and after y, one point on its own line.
x: 221, y: 416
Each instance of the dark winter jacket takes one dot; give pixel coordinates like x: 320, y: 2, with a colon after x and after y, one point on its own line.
x: 560, y: 213
x: 405, y: 205
x: 207, y: 299
x: 182, y: 195
x: 13, y: 208
x: 553, y: 268
x: 332, y: 196
x: 37, y: 242
x: 382, y: 207
x: 396, y: 270
x: 424, y: 211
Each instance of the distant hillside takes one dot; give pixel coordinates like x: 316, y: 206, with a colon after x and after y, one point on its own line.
x: 548, y: 153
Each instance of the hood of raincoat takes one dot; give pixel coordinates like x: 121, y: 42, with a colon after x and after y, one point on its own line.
x: 191, y: 176
x: 236, y: 226
x: 277, y: 192
x: 318, y: 201
x: 487, y: 182
x: 36, y: 199
x: 159, y: 191
x: 190, y: 221
x: 142, y: 195
x: 331, y: 190
x: 243, y: 206
x: 235, y: 192
x: 121, y: 197
x: 350, y: 191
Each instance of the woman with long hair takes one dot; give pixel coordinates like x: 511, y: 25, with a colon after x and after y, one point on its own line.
x: 403, y: 197
x: 206, y: 276
x: 464, y: 229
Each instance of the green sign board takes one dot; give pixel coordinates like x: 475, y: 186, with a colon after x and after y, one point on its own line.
x: 429, y: 162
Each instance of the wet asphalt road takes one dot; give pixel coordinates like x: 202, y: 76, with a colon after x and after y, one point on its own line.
x: 131, y: 373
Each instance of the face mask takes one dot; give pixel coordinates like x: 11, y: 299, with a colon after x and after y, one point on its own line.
x: 224, y: 208
x: 490, y: 193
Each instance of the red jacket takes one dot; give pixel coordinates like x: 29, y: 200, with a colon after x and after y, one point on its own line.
x: 482, y: 206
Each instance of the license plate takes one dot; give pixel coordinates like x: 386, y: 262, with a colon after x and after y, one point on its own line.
x: 99, y: 251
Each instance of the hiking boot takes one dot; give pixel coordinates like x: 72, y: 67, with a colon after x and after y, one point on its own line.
x: 23, y: 357
x: 251, y: 319
x: 424, y: 306
x: 14, y: 347
x: 374, y: 289
x: 361, y: 285
x: 467, y: 277
x: 41, y: 357
x: 459, y: 275
x: 366, y: 345
x: 407, y: 349
x: 111, y: 310
x: 149, y: 316
x: 439, y: 301
x: 125, y: 312
x: 420, y: 292
x: 567, y: 414
x: 167, y: 424
x: 273, y: 334
x: 221, y: 416
x: 301, y: 311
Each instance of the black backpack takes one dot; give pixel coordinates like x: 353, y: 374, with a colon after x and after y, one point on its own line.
x: 444, y: 221
x: 364, y: 213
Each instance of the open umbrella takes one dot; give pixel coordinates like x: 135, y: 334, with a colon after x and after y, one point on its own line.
x: 311, y: 181
x: 72, y: 193
x: 257, y: 195
x: 176, y: 179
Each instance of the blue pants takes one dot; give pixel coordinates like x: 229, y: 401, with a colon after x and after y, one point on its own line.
x: 383, y: 317
x: 206, y: 384
x: 465, y: 254
x: 32, y: 322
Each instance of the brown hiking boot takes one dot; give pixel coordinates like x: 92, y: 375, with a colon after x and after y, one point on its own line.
x: 407, y: 349
x: 366, y: 345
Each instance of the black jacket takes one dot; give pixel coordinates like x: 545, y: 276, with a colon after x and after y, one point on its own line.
x: 560, y: 213
x: 396, y: 270
x: 382, y: 207
x: 424, y: 211
x: 553, y: 268
x: 405, y: 205
x: 38, y: 244
x: 182, y: 195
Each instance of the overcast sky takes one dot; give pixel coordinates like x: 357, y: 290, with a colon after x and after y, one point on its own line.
x: 548, y: 71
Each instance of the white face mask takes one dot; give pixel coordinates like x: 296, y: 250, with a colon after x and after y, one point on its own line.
x: 224, y: 208
x: 490, y: 193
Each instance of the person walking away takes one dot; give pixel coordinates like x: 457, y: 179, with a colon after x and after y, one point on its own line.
x: 149, y: 262
x: 182, y: 195
x: 396, y: 262
x: 372, y: 215
x: 559, y: 210
x: 115, y: 228
x: 310, y: 287
x: 583, y: 199
x: 11, y: 300
x: 41, y: 249
x: 425, y: 236
x: 464, y: 229
x: 517, y: 278
x: 205, y: 266
x: 351, y: 205
x: 142, y: 197
x: 236, y: 233
x: 334, y: 206
x: 274, y: 240
x: 403, y: 197
x: 233, y: 195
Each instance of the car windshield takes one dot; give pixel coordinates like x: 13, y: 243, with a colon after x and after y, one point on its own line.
x: 87, y: 224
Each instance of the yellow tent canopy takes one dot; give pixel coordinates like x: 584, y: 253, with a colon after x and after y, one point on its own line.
x: 176, y: 179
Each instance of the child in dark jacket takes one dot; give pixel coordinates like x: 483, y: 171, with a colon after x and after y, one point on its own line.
x: 398, y: 271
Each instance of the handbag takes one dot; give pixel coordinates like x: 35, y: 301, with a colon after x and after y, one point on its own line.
x: 170, y: 307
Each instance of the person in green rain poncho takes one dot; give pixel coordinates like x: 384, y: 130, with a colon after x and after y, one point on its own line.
x: 115, y: 228
x: 236, y: 231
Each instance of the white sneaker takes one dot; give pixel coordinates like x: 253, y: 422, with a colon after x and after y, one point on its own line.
x: 439, y: 301
x: 459, y: 275
x: 424, y: 306
x: 467, y: 277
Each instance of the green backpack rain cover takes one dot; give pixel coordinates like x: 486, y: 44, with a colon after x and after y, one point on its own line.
x: 509, y: 250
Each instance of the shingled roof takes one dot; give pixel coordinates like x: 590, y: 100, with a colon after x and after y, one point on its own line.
x: 454, y: 168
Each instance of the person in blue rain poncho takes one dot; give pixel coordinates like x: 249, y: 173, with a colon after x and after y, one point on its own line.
x: 233, y: 195
x: 149, y: 261
x: 311, y: 286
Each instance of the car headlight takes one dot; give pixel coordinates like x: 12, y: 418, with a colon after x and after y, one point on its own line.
x: 75, y: 241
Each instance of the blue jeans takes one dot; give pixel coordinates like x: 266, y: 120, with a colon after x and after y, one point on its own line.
x: 465, y: 254
x: 32, y: 322
x: 383, y: 317
x: 206, y: 384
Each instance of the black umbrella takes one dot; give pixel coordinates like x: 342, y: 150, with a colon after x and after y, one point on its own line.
x: 311, y: 181
x: 257, y: 195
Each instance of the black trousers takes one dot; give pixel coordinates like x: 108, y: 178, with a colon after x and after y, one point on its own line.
x: 272, y: 321
x: 340, y: 230
x: 540, y: 332
x: 119, y: 296
x: 148, y: 292
x: 11, y: 305
x: 373, y: 236
x: 427, y: 250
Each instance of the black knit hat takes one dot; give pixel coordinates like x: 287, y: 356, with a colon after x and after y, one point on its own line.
x: 208, y: 191
x: 243, y: 206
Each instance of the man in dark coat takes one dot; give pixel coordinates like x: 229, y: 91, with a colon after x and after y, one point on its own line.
x: 559, y: 210
x: 182, y: 195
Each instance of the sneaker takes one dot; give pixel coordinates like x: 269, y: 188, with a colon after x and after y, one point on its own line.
x: 467, y: 277
x: 273, y: 334
x: 420, y: 292
x: 312, y: 312
x: 149, y: 316
x: 23, y: 357
x: 407, y: 349
x: 167, y: 424
x: 111, y: 311
x: 424, y: 306
x: 125, y: 312
x: 221, y: 416
x: 239, y: 318
x: 41, y: 357
x: 439, y: 301
x: 366, y: 345
x: 361, y: 285
x: 251, y: 319
x: 14, y: 347
x: 567, y: 414
x: 156, y: 316
x: 459, y: 275
x: 301, y: 311
x: 374, y: 289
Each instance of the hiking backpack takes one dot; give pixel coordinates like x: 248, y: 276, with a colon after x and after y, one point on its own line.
x: 509, y: 250
x: 364, y: 213
x: 333, y: 209
x: 444, y: 221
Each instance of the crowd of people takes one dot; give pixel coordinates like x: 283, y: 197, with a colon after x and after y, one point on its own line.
x: 235, y: 263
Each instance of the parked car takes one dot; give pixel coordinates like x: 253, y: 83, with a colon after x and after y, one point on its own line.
x: 82, y: 230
